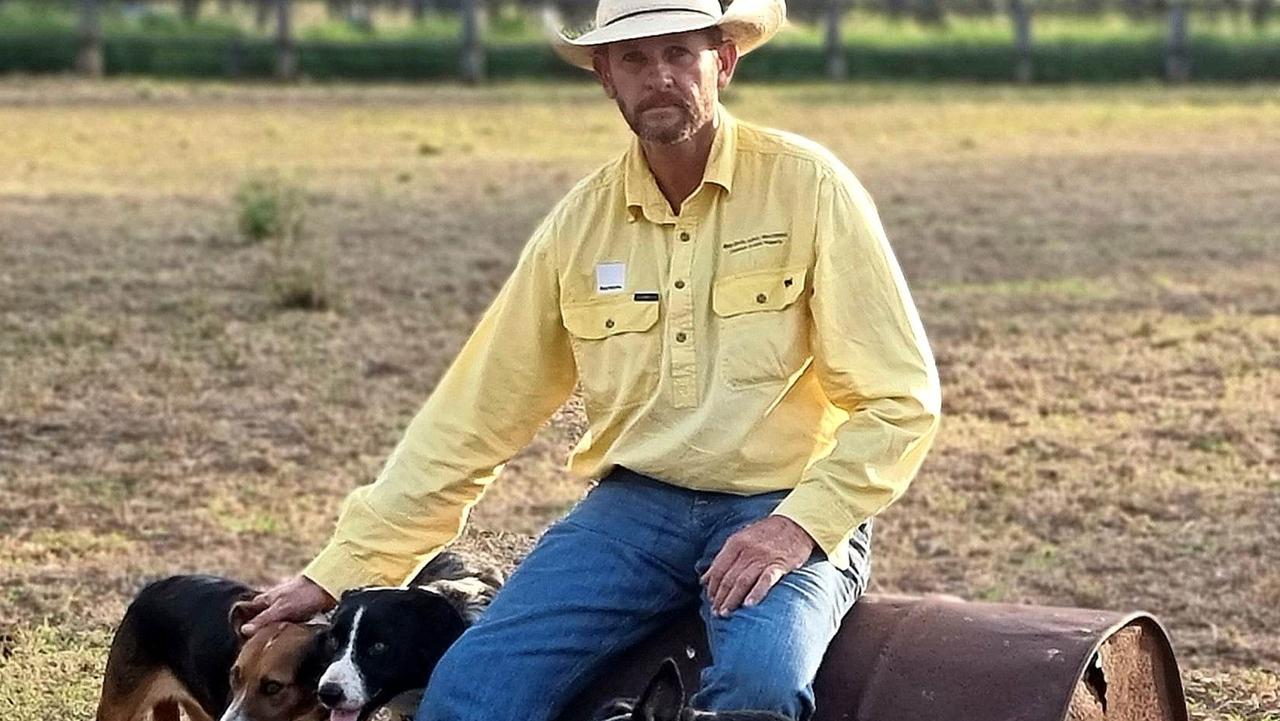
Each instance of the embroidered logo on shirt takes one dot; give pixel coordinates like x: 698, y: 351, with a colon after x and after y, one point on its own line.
x: 610, y: 277
x: 756, y: 241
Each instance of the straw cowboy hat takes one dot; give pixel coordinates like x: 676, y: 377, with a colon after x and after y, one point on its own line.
x: 748, y: 23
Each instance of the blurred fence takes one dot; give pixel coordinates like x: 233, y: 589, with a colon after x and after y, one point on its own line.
x: 978, y: 40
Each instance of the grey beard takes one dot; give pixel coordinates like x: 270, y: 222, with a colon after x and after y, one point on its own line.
x: 666, y: 136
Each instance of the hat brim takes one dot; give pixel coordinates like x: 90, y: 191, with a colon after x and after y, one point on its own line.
x: 748, y: 23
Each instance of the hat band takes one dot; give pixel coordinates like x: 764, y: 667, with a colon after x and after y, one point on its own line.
x: 660, y: 10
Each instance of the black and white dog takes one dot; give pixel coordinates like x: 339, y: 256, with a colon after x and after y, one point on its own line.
x: 386, y: 641
x: 663, y: 700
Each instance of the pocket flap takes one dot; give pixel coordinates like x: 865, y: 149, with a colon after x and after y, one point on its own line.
x: 597, y: 320
x: 758, y: 290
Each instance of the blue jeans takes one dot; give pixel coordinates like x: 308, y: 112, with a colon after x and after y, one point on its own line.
x: 612, y: 572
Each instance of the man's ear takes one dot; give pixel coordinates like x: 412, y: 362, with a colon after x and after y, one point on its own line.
x: 600, y: 62
x: 727, y: 57
x: 664, y: 698
x: 241, y: 613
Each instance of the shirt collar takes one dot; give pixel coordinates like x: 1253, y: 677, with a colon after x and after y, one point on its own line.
x: 641, y: 189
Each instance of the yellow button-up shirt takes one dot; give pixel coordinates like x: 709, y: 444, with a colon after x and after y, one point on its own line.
x: 761, y: 339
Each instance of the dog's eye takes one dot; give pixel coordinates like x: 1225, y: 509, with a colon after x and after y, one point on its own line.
x: 270, y: 688
x: 377, y: 648
x: 235, y: 676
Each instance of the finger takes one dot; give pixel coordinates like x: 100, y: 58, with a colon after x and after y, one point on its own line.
x: 715, y: 583
x: 767, y: 581
x: 724, y: 561
x: 257, y: 604
x: 705, y: 578
x: 740, y: 566
x: 735, y: 592
x: 717, y: 587
x: 275, y: 612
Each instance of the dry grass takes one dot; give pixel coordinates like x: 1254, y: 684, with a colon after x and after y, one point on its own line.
x: 1099, y: 271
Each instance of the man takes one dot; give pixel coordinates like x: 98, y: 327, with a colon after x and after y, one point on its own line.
x: 756, y: 379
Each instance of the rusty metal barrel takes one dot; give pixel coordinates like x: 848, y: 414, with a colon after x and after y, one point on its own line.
x: 939, y: 658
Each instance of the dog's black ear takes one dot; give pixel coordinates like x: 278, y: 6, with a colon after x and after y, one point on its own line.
x: 664, y: 697
x: 438, y: 607
x: 241, y: 613
x: 316, y: 657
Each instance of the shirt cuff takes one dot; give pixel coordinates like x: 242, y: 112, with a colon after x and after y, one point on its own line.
x: 336, y: 570
x: 819, y: 514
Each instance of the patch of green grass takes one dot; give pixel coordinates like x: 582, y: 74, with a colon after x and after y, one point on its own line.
x: 238, y: 518
x: 1236, y: 695
x: 267, y: 206
x: 993, y: 593
x: 1211, y: 443
x: 45, y: 546
x: 47, y: 672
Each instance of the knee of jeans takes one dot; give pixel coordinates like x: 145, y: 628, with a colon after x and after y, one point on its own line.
x: 756, y: 687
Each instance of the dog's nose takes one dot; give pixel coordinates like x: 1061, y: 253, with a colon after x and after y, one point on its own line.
x: 330, y: 694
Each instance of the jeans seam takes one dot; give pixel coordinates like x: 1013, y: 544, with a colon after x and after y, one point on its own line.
x: 612, y: 648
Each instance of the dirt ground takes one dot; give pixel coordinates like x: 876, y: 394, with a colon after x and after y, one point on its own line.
x: 1098, y: 271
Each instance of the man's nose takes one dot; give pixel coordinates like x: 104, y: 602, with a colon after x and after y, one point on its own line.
x: 661, y: 77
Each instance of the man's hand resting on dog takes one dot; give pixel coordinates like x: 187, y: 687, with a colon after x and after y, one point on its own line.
x: 753, y: 560
x: 298, y: 599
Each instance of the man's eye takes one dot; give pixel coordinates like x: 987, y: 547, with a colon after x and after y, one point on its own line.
x: 377, y: 648
x: 270, y: 688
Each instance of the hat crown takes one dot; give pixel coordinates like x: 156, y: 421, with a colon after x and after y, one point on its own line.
x: 609, y: 11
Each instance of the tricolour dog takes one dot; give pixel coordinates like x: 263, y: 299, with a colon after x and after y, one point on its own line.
x: 385, y: 642
x: 178, y: 648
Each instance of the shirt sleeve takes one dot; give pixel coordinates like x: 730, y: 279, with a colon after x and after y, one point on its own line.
x: 510, y: 376
x: 873, y: 363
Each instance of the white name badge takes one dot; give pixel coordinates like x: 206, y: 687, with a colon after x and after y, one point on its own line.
x: 610, y: 277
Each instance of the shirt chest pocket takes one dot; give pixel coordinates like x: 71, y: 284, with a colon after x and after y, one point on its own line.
x: 615, y: 345
x: 763, y: 325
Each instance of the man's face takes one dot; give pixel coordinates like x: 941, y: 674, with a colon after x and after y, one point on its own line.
x: 666, y: 86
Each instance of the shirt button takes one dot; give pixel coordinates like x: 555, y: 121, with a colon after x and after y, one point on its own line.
x: 679, y: 284
x: 681, y: 337
x: 761, y: 298
x: 608, y: 323
x: 684, y: 237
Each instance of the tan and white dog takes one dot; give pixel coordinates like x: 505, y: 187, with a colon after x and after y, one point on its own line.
x: 177, y: 649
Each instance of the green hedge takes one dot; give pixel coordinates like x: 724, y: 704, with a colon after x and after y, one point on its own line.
x: 1060, y: 60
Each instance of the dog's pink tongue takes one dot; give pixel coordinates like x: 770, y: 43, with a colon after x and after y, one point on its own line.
x: 342, y: 715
